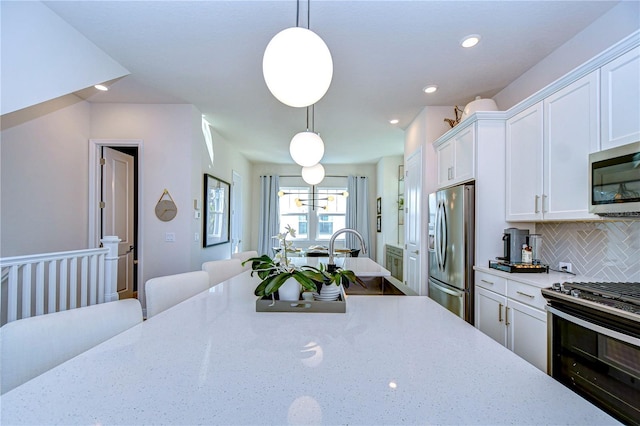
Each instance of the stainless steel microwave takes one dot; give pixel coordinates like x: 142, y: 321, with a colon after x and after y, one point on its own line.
x: 614, y: 181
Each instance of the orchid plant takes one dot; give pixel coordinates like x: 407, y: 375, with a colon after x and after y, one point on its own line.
x: 274, y: 272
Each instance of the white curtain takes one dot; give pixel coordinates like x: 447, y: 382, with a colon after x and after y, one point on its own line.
x: 269, y: 214
x: 358, y: 212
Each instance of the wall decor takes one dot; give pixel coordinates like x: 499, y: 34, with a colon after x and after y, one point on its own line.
x: 379, y: 206
x: 217, y: 194
x: 166, y: 208
x: 378, y: 224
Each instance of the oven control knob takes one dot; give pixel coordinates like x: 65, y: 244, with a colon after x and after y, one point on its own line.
x: 565, y: 289
x: 556, y: 286
x: 575, y: 292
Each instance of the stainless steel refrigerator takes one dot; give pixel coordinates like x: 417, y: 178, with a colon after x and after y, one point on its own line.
x: 451, y: 247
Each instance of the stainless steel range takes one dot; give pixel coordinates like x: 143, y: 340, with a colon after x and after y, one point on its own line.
x: 594, y: 343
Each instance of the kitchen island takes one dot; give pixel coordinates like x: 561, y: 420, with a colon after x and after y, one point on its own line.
x: 213, y: 359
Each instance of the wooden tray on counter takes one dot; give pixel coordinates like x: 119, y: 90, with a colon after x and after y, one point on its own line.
x: 267, y: 304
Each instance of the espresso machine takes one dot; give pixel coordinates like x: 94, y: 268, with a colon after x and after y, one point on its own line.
x: 513, y: 239
x: 511, y: 261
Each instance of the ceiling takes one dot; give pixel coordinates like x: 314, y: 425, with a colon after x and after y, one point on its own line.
x: 209, y: 54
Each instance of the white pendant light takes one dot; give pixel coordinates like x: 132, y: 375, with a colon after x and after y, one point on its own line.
x: 306, y: 148
x: 297, y: 66
x: 313, y: 175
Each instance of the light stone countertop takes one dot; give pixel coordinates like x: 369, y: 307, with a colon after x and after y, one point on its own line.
x: 213, y: 359
x: 361, y: 266
x: 540, y: 280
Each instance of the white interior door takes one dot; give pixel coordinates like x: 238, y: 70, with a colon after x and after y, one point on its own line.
x: 413, y: 240
x: 118, y: 212
x: 236, y: 213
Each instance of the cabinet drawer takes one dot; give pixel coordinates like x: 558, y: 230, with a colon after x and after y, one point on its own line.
x: 491, y: 282
x: 527, y: 294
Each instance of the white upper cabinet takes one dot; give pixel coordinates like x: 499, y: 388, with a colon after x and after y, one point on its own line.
x: 570, y: 135
x: 620, y: 100
x: 524, y: 137
x: 456, y: 157
x: 548, y: 148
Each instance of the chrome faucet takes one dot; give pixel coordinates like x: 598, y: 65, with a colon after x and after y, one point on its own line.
x: 331, y: 266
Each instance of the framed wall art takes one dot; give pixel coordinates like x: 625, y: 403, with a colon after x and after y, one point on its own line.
x: 378, y: 224
x: 217, y: 196
x: 379, y: 206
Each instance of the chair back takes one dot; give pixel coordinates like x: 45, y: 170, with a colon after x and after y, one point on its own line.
x: 32, y: 346
x: 222, y: 270
x: 244, y: 255
x: 164, y: 292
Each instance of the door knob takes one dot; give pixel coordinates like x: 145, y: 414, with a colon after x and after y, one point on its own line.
x: 416, y: 252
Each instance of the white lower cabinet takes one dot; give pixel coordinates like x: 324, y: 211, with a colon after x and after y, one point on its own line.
x: 512, y: 313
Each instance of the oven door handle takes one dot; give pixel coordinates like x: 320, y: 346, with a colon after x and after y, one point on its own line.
x: 595, y: 327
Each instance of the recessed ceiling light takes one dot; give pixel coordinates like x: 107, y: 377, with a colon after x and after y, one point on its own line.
x: 394, y: 121
x: 101, y: 87
x: 430, y: 89
x: 470, y: 40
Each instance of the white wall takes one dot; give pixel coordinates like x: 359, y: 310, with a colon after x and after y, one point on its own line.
x: 44, y: 179
x: 167, y: 135
x: 175, y: 158
x: 428, y: 126
x: 260, y: 169
x: 53, y: 61
x: 225, y: 160
x: 387, y: 190
x: 613, y: 26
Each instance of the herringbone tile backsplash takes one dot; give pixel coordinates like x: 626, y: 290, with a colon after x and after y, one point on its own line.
x: 605, y: 250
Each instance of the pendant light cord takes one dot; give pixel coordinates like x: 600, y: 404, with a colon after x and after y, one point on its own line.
x: 297, y: 13
x: 308, y: 13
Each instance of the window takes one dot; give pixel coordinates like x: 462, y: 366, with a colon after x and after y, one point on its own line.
x: 315, y: 213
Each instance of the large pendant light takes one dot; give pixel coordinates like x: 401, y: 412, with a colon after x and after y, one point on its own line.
x: 297, y: 65
x: 307, y: 148
x: 313, y: 175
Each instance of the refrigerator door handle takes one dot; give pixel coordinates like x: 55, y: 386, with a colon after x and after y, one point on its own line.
x: 436, y: 233
x: 456, y: 293
x: 443, y: 236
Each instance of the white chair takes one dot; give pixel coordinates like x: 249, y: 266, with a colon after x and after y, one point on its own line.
x: 32, y: 346
x: 244, y: 255
x: 222, y: 270
x: 161, y: 293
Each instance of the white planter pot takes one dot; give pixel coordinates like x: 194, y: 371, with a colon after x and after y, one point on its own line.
x: 290, y: 290
x: 330, y: 292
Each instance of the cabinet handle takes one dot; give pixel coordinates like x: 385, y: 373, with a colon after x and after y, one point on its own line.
x: 488, y: 282
x: 525, y: 294
x: 544, y: 197
x: 499, y: 312
x: 537, y: 198
x: 506, y: 316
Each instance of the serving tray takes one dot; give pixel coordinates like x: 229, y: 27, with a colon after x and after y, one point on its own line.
x: 518, y: 267
x: 267, y: 304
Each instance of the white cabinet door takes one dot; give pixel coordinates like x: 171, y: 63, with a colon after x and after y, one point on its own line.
x: 490, y: 314
x: 570, y: 135
x: 527, y: 328
x: 524, y: 165
x: 456, y: 158
x: 445, y: 155
x: 620, y: 100
x: 464, y: 147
